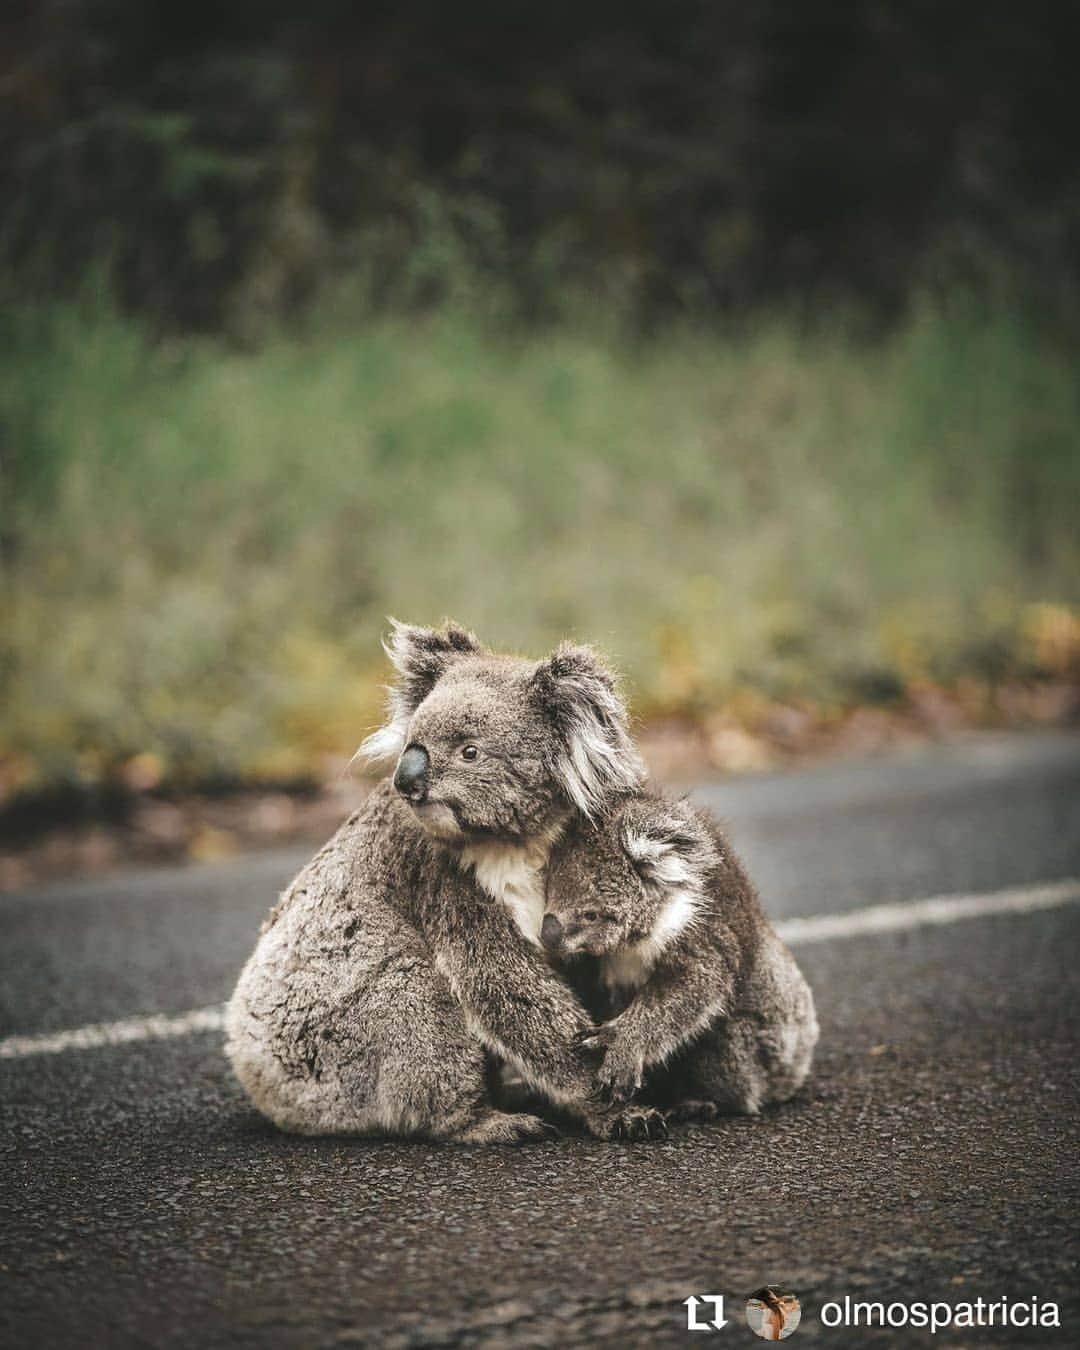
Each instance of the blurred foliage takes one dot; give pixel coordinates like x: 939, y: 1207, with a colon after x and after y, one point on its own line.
x: 232, y: 161
x: 553, y: 318
x: 199, y: 545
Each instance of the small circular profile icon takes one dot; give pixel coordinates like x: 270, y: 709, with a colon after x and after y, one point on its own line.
x: 773, y: 1312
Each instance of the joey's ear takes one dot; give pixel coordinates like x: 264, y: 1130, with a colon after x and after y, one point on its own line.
x: 420, y: 657
x: 667, y: 848
x: 595, y: 757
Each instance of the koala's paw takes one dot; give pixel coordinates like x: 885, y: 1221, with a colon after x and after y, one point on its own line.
x: 501, y: 1127
x: 639, y: 1122
x: 626, y: 1121
x: 619, y: 1076
x: 692, y: 1110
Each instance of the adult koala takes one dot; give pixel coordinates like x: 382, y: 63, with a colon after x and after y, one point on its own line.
x: 411, y: 941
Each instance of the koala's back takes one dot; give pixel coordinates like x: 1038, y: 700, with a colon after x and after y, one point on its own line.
x: 772, y: 983
x: 731, y: 907
x: 306, y: 1006
x: 762, y: 1051
x: 363, y: 857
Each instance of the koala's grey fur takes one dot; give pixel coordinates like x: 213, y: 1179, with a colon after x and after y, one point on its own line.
x: 711, y: 1013
x: 410, y: 942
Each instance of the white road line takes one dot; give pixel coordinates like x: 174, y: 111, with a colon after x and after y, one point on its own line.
x: 157, y: 1027
x: 909, y: 914
x: 895, y: 918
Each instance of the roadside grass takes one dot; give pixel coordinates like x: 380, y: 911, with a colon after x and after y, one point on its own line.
x: 200, y: 544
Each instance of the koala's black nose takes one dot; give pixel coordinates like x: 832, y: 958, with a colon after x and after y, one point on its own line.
x: 550, y: 932
x: 410, y: 776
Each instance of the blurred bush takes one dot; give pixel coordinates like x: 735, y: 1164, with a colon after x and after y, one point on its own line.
x: 199, y: 544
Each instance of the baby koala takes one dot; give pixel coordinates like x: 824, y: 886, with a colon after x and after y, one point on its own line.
x: 661, y: 934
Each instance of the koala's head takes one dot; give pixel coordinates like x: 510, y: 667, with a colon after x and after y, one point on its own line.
x: 499, y: 747
x: 638, y: 877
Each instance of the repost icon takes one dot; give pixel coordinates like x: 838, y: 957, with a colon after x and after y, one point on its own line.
x: 705, y: 1312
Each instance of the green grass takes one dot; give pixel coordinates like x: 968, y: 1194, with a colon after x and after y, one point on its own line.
x: 199, y: 545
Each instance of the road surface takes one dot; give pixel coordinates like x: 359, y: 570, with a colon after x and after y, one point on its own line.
x: 933, y: 1157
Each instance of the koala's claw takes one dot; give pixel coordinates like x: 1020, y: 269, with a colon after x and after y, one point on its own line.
x: 640, y: 1123
x: 627, y: 1122
x: 612, y: 1095
x: 598, y: 1038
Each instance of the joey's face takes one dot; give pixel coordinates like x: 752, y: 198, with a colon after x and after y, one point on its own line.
x: 477, y: 757
x: 596, y: 903
x: 583, y: 928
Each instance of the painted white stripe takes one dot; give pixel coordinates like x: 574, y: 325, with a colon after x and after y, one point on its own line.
x: 156, y: 1027
x: 939, y: 909
x: 895, y: 918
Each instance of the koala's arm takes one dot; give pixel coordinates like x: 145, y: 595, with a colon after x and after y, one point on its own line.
x: 513, y: 1001
x: 688, y: 989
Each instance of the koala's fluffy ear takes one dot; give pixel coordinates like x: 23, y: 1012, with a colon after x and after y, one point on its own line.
x: 420, y: 656
x: 669, y: 848
x: 596, y: 756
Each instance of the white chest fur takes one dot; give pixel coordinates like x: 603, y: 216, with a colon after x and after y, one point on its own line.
x: 630, y: 966
x: 514, y: 876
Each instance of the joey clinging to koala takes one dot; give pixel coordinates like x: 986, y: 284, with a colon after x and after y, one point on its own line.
x: 411, y: 941
x: 660, y: 931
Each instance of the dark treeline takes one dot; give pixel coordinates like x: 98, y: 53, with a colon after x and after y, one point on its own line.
x: 221, y: 157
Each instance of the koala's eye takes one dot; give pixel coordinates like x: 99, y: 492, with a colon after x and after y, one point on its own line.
x: 469, y: 752
x: 590, y: 915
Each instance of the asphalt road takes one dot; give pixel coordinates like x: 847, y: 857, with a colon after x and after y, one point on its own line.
x: 933, y: 1157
